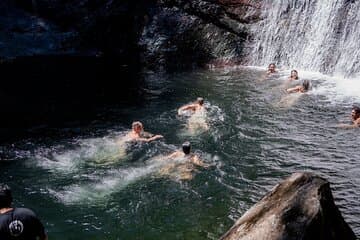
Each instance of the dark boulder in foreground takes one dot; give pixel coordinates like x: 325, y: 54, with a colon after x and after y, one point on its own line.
x: 301, y: 207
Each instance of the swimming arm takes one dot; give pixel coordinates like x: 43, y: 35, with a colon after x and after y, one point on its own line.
x: 150, y: 139
x: 196, y: 160
x: 187, y: 107
x: 293, y: 90
x: 348, y: 126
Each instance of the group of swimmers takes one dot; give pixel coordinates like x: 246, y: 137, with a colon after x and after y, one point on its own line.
x: 294, y: 76
x: 305, y: 86
x: 138, y: 134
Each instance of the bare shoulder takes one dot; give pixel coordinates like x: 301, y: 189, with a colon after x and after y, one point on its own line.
x: 175, y: 154
x: 357, y: 122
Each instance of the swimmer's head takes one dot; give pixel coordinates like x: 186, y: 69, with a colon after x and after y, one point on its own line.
x: 186, y: 146
x: 355, y: 112
x: 294, y: 74
x: 137, y: 127
x: 306, y: 85
x: 200, y: 100
x: 5, y: 196
x: 272, y: 67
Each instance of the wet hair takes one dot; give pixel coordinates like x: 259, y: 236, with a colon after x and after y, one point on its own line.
x: 200, y: 100
x: 137, y: 123
x: 5, y: 196
x: 271, y: 64
x: 306, y: 85
x: 356, y: 109
x: 186, y: 146
x: 297, y: 77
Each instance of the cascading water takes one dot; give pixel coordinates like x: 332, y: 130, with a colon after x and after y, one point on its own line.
x: 319, y: 35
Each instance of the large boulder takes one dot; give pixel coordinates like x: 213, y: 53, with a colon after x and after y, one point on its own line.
x: 301, y: 207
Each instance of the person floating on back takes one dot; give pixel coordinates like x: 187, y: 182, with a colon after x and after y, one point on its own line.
x: 18, y: 223
x: 304, y: 87
x: 293, y: 75
x: 197, y: 106
x: 137, y: 133
x: 355, y: 119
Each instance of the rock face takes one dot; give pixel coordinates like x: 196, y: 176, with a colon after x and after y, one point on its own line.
x: 163, y: 33
x: 197, y: 33
x: 300, y: 208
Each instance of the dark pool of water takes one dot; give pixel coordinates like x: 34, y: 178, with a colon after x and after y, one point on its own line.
x: 84, y: 188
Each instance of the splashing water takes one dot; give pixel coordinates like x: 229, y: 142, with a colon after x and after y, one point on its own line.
x: 103, y: 186
x: 201, y: 121
x: 93, y: 151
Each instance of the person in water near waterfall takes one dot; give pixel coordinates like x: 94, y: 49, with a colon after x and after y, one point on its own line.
x: 181, y: 163
x: 137, y: 133
x: 304, y: 87
x: 355, y: 119
x: 197, y: 106
x: 293, y: 75
x: 271, y: 69
x: 355, y: 116
x: 185, y: 153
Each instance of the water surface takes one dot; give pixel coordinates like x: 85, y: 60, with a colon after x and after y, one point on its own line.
x: 86, y: 187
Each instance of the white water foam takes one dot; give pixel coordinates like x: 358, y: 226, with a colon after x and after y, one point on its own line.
x: 336, y: 89
x: 202, y: 121
x: 92, y: 151
x: 101, y: 186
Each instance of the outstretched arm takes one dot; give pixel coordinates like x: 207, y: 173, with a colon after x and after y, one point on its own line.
x: 347, y: 126
x: 187, y: 107
x: 197, y: 161
x: 150, y: 139
x: 293, y: 90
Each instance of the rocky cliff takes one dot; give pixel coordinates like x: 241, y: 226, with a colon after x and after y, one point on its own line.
x: 154, y: 32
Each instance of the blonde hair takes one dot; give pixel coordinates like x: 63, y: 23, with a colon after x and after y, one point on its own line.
x: 137, y: 123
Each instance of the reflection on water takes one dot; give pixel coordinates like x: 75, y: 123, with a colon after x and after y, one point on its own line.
x: 255, y: 135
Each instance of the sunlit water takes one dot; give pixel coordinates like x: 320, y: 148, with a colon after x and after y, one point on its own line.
x: 95, y: 186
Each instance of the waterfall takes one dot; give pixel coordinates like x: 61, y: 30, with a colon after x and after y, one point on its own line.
x: 314, y: 35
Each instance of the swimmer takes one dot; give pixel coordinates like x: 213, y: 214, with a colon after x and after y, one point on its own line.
x: 193, y: 107
x: 355, y: 119
x: 293, y: 75
x: 185, y: 153
x: 137, y: 133
x: 182, y: 170
x: 304, y: 87
x: 271, y: 69
x: 355, y: 116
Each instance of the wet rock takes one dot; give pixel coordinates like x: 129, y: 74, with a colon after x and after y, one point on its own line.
x: 301, y: 207
x: 160, y: 34
x: 198, y: 33
x: 23, y: 34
